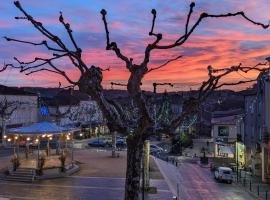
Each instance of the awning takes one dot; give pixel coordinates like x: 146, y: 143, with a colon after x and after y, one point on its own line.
x: 227, y: 149
x: 41, y: 128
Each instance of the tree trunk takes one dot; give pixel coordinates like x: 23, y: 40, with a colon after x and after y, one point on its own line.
x: 133, y: 172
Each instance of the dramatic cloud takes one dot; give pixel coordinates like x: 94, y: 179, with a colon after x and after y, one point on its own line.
x: 216, y: 42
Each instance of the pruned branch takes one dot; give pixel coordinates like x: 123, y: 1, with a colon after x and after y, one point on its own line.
x: 43, y: 43
x: 215, y: 75
x: 236, y: 83
x: 164, y: 64
x: 182, y: 39
x: 69, y: 31
x: 4, y: 67
x: 112, y: 45
x: 74, y: 56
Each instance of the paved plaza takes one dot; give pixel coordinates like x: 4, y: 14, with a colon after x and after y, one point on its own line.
x: 76, y: 187
x: 101, y: 177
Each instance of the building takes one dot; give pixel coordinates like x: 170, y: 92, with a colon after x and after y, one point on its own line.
x: 73, y: 108
x: 257, y: 128
x: 227, y: 128
x: 17, y: 108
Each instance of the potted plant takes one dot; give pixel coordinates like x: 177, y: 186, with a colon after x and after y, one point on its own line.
x: 41, y: 163
x: 15, y: 162
x: 62, y: 159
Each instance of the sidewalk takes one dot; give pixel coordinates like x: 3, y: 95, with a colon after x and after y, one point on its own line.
x: 254, y: 185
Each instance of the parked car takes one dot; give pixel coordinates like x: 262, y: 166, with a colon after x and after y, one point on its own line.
x: 155, y: 149
x: 224, y: 174
x: 121, y: 143
x: 97, y: 143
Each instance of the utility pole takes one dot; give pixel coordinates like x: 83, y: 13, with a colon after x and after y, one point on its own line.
x: 156, y: 84
x: 119, y: 84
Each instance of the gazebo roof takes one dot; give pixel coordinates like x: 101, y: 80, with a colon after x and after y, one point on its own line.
x: 40, y: 128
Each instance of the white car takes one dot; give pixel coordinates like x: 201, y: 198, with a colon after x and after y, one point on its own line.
x: 224, y: 174
x: 155, y: 149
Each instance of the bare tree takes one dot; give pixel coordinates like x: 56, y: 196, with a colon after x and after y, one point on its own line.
x: 91, y: 77
x: 137, y: 72
x: 7, y: 108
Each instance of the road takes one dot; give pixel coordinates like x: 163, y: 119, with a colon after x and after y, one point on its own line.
x: 6, y: 151
x: 76, y: 187
x: 197, y: 183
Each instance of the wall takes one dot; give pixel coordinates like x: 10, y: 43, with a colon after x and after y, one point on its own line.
x: 86, y: 112
x: 26, y: 112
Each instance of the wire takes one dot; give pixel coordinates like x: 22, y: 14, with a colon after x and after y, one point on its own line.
x: 243, y: 76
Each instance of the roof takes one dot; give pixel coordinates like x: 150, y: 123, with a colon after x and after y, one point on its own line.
x: 5, y: 90
x: 249, y: 92
x: 227, y: 113
x: 59, y: 96
x: 40, y: 128
x: 228, y: 120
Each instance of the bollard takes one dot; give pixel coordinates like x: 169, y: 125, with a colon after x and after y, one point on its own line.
x: 258, y: 190
x: 250, y: 185
x: 176, y: 163
x: 266, y: 195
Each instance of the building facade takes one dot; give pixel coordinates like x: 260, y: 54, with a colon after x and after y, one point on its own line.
x: 257, y: 128
x: 18, y: 108
x: 227, y: 128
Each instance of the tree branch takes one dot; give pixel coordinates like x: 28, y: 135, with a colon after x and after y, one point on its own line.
x: 203, y: 16
x: 113, y: 45
x: 164, y: 64
x: 55, y: 39
x: 43, y: 43
x: 69, y: 31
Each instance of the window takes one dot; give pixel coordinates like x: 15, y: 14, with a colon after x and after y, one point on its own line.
x: 223, y: 131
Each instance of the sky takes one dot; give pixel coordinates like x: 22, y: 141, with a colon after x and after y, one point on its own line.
x: 217, y: 42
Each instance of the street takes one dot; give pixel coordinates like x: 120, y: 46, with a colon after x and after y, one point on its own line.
x: 6, y: 151
x: 197, y: 183
x: 76, y: 187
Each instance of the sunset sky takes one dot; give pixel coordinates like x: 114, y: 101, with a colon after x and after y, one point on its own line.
x: 216, y: 42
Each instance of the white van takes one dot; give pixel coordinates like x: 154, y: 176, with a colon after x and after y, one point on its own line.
x: 224, y: 174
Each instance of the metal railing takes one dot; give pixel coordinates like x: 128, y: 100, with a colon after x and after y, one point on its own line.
x: 259, y: 189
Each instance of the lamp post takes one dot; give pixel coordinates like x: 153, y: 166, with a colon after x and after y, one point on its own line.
x: 143, y: 172
x: 236, y: 149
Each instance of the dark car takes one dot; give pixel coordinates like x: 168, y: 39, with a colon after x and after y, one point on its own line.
x: 121, y: 143
x: 97, y: 143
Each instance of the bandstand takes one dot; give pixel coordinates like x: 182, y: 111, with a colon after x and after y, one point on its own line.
x: 44, y: 147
